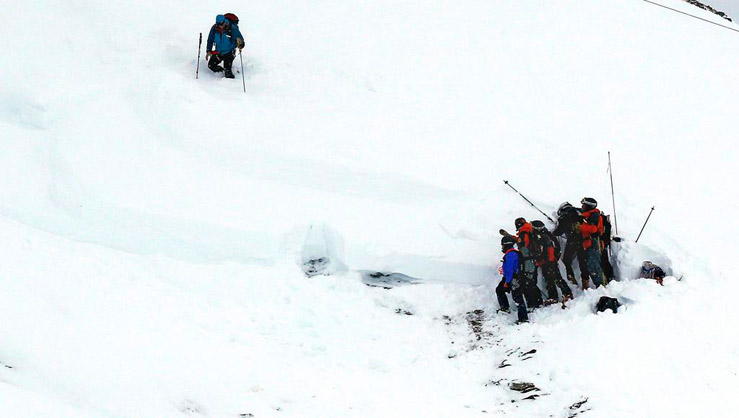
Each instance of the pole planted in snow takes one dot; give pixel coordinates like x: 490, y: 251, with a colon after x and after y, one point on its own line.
x: 243, y: 81
x: 200, y: 44
x: 645, y: 224
x: 613, y: 195
x: 524, y: 198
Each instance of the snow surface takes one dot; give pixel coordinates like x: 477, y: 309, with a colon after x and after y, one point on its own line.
x: 155, y: 226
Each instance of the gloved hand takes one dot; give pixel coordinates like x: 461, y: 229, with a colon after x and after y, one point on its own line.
x: 239, y: 43
x: 506, y: 287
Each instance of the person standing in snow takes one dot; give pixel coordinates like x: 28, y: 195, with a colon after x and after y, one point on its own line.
x: 547, y: 252
x: 590, y: 231
x: 568, y: 219
x: 511, y: 281
x: 226, y: 37
x: 528, y: 268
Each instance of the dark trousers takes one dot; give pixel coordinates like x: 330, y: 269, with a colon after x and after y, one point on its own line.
x: 573, y: 249
x: 517, y: 299
x: 227, y: 59
x: 530, y: 290
x: 592, y: 257
x: 605, y: 263
x: 553, y: 277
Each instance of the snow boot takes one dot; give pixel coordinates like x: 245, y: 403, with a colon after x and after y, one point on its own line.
x: 505, y: 311
x: 229, y: 74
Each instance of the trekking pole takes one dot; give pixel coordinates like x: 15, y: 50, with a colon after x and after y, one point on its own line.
x: 200, y: 44
x: 645, y: 224
x: 524, y: 198
x: 613, y: 195
x: 243, y: 81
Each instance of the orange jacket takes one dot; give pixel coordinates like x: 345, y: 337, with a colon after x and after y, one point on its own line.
x: 592, y: 228
x: 524, y: 234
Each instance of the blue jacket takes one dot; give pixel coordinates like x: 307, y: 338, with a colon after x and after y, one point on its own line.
x: 224, y: 43
x: 510, y: 265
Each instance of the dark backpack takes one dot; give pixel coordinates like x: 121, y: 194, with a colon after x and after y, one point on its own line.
x: 606, y: 235
x: 607, y: 303
x: 555, y: 244
x: 541, y: 241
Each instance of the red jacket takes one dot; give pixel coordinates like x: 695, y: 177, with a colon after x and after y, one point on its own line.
x: 592, y: 228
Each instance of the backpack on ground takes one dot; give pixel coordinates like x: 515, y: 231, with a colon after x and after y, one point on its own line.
x: 607, y: 303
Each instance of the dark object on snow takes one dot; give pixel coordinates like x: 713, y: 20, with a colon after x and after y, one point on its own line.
x: 523, y: 387
x: 387, y: 280
x: 607, y: 303
x: 315, y: 267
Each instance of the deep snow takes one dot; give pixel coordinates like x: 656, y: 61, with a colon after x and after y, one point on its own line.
x: 155, y: 225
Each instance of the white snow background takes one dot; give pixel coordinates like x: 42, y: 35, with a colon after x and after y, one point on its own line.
x: 153, y: 225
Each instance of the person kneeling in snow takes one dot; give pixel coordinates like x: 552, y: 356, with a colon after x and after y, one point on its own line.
x: 510, y: 281
x: 226, y: 36
x: 650, y: 270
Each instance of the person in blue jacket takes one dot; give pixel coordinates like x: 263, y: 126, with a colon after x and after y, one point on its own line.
x: 226, y: 37
x: 510, y: 281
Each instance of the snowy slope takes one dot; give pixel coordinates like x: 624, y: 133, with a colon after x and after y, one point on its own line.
x: 155, y: 224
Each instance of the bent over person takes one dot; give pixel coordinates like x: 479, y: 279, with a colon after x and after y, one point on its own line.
x: 226, y: 37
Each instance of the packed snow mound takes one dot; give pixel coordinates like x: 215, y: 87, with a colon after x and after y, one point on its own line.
x: 157, y: 227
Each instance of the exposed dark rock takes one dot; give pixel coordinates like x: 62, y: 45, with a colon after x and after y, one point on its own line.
x: 708, y: 8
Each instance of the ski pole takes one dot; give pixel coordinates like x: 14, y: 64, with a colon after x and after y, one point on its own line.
x: 613, y: 195
x: 524, y: 198
x: 200, y: 43
x: 645, y: 224
x: 243, y: 81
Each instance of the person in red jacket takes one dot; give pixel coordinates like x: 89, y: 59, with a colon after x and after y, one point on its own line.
x: 591, y: 230
x: 547, y: 252
x: 528, y: 267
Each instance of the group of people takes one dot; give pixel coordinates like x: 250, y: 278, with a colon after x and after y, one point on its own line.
x: 587, y: 232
